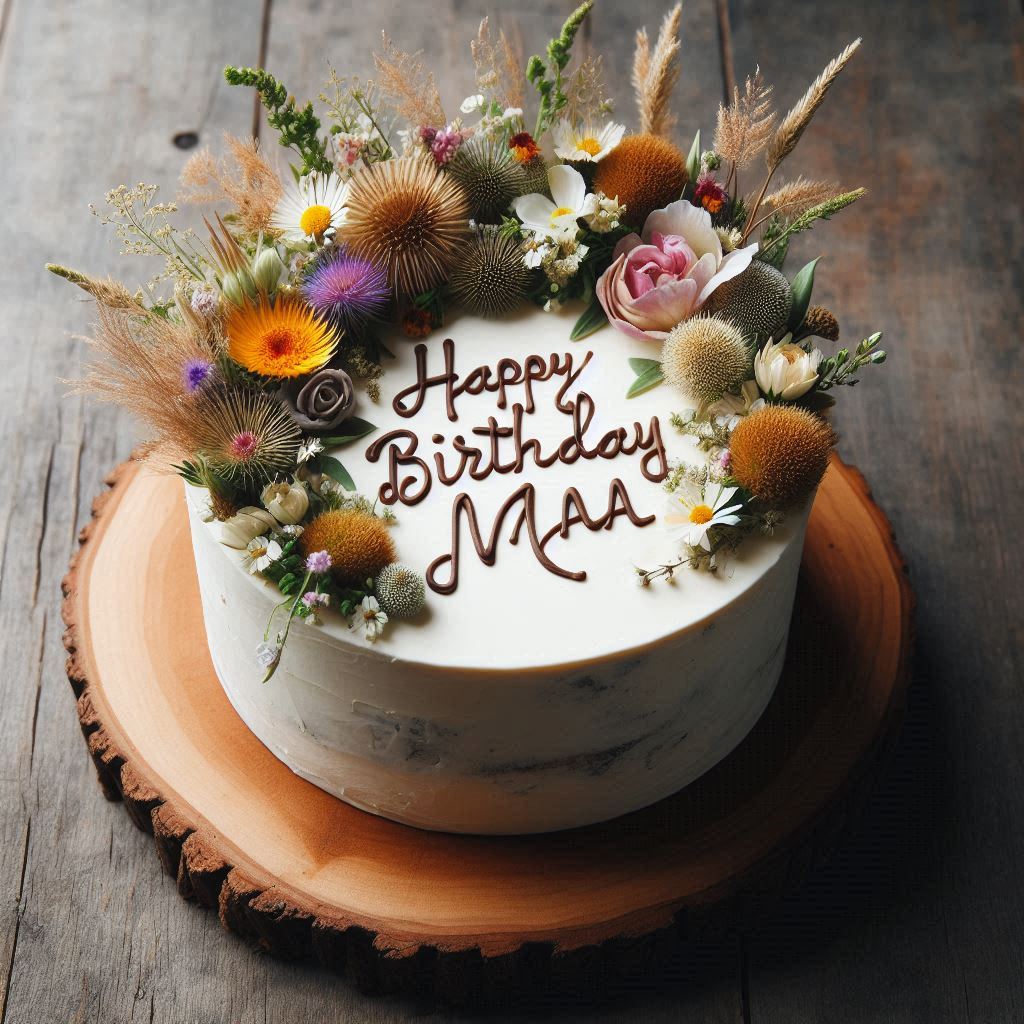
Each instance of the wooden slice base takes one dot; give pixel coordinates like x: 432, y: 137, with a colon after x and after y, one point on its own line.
x: 308, y: 876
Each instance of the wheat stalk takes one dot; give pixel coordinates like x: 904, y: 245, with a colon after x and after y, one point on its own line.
x: 745, y: 125
x: 655, y: 74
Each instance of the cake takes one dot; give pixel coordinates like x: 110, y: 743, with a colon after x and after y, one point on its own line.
x: 498, y: 446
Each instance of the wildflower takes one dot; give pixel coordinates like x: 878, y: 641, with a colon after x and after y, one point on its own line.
x: 709, y: 194
x: 308, y: 449
x: 205, y: 302
x: 281, y: 339
x: 287, y: 503
x: 260, y: 552
x: 524, y: 148
x: 585, y: 143
x: 195, y: 373
x: 370, y: 617
x: 312, y: 601
x: 318, y: 562
x: 417, y: 323
x: 557, y: 218
x: 694, y: 509
x: 444, y: 144
x: 346, y: 289
x: 471, y: 104
x: 268, y: 655
x: 312, y: 208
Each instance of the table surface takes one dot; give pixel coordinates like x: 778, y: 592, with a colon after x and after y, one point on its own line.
x: 920, y: 915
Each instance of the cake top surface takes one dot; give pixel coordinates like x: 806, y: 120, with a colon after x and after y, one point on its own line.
x: 546, y: 599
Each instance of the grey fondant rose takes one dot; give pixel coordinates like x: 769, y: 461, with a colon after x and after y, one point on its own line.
x: 322, y: 401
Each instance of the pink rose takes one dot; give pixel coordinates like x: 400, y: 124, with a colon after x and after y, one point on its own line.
x: 663, y: 277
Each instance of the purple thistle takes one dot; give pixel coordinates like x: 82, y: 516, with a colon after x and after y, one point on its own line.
x: 196, y: 372
x: 346, y: 289
x: 318, y: 562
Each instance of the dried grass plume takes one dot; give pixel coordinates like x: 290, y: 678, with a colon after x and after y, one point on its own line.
x: 746, y: 124
x: 793, y: 124
x: 655, y: 74
x: 243, y: 177
x: 796, y: 197
x: 498, y: 67
x: 408, y: 85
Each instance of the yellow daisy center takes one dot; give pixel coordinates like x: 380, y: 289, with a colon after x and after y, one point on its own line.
x: 701, y: 514
x: 561, y: 211
x: 258, y: 553
x: 315, y: 220
x: 589, y: 145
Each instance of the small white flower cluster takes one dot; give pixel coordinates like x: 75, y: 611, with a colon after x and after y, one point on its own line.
x: 492, y: 118
x: 607, y: 215
x: 349, y: 145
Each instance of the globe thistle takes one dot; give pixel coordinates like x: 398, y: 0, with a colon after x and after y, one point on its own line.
x: 491, y: 277
x: 705, y: 357
x: 820, y: 323
x: 535, y: 177
x: 400, y: 591
x: 358, y: 543
x: 644, y: 172
x: 410, y: 218
x: 490, y: 177
x: 346, y: 290
x: 780, y: 453
x: 758, y: 301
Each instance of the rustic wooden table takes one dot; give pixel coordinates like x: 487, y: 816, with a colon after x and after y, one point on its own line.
x: 920, y: 916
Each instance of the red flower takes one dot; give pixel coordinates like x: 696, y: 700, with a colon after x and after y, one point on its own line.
x: 709, y: 194
x: 523, y: 147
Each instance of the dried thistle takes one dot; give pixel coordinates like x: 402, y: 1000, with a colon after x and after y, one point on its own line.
x: 796, y: 197
x: 820, y: 323
x: 745, y: 125
x: 655, y: 74
x: 244, y: 178
x: 498, y: 67
x: 410, y: 87
x: 794, y: 123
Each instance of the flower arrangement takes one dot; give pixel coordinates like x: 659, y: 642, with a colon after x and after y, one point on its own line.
x: 251, y: 351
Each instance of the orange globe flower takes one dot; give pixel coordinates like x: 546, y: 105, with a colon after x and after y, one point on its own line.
x: 281, y: 339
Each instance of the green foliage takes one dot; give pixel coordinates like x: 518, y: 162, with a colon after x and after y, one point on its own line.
x: 693, y: 160
x: 592, y: 319
x: 840, y: 368
x: 648, y: 375
x: 552, y: 91
x: 823, y: 211
x: 331, y: 467
x: 297, y: 128
x: 355, y: 429
x: 803, y: 285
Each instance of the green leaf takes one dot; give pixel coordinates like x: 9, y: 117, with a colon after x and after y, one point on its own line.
x: 592, y: 319
x: 639, y: 366
x: 650, y: 378
x: 354, y: 427
x: 693, y: 159
x: 331, y: 467
x: 803, y: 285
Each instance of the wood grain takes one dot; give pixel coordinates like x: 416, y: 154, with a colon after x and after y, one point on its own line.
x: 305, y: 875
x: 918, y: 920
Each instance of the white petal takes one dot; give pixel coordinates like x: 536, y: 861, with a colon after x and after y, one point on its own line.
x: 567, y: 186
x: 534, y: 209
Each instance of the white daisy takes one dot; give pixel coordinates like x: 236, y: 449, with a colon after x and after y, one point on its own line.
x: 694, y: 509
x: 310, y: 446
x: 312, y: 208
x: 370, y: 617
x: 260, y: 552
x: 556, y: 218
x: 585, y: 143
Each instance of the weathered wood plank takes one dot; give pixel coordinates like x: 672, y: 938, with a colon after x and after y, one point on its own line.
x: 922, y: 919
x: 90, y: 94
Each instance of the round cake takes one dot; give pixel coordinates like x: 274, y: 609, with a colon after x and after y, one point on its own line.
x: 541, y: 688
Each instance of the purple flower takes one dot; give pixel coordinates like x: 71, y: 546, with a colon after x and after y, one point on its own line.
x: 311, y: 599
x: 318, y: 562
x: 196, y: 372
x: 346, y: 289
x: 444, y: 144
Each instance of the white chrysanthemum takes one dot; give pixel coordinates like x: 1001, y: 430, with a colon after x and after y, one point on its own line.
x: 585, y: 143
x: 694, y: 509
x: 312, y: 208
x: 369, y: 616
x: 556, y: 218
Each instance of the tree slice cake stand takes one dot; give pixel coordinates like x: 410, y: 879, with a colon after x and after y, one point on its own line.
x: 307, y: 876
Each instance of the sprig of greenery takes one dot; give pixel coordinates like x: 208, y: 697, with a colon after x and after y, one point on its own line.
x: 553, y: 98
x: 299, y: 129
x: 823, y: 211
x: 839, y: 369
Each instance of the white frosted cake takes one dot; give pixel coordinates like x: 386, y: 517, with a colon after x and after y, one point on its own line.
x: 547, y: 689
x: 499, y: 428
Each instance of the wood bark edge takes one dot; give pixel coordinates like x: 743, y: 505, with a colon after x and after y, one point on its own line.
x: 268, y: 920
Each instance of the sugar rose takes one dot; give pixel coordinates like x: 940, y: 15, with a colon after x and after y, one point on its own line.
x: 664, y: 276
x: 322, y: 401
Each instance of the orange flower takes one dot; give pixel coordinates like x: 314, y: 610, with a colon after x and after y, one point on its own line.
x: 523, y: 147
x: 281, y: 339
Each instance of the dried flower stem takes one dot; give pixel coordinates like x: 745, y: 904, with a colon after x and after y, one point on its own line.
x: 655, y: 74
